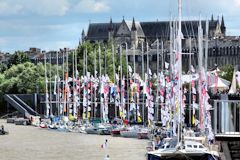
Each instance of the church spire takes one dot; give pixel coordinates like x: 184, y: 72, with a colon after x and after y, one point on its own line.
x: 212, y: 18
x: 133, y: 25
x: 110, y: 25
x: 223, y: 28
x: 83, y: 35
x: 222, y: 22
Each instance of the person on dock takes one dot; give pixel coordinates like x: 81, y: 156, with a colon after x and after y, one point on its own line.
x: 2, y: 129
x: 157, y: 143
x: 107, y: 157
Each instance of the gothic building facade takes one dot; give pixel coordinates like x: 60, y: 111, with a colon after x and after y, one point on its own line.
x: 222, y: 49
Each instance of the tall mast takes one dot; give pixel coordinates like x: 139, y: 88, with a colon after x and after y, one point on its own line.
x: 86, y: 61
x: 179, y: 52
x: 95, y: 77
x: 127, y: 78
x: 200, y: 58
x: 50, y: 80
x: 206, y: 47
x: 87, y: 82
x: 121, y: 77
x: 46, y: 85
x: 63, y: 80
x: 147, y: 80
x: 143, y: 78
x: 157, y: 98
x: 134, y: 72
x: 190, y: 84
x: 114, y: 79
x: 57, y: 98
x: 99, y: 61
x: 171, y: 47
x: 73, y: 79
x: 105, y: 61
x: 100, y: 79
x: 76, y: 76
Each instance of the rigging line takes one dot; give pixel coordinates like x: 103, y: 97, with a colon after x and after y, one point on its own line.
x: 186, y: 28
x: 195, y: 44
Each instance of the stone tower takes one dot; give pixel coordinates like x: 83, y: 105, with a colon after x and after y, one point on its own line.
x: 110, y: 30
x: 223, y: 28
x: 134, y: 36
x: 83, y: 36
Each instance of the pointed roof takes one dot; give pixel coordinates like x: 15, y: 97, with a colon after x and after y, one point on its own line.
x: 110, y: 25
x: 83, y: 33
x: 222, y: 23
x: 149, y: 30
x: 212, y: 18
x: 133, y: 25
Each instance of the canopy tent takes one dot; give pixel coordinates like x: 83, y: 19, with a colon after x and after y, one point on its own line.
x: 220, y: 85
x: 215, y: 82
x: 235, y: 81
x: 212, y: 79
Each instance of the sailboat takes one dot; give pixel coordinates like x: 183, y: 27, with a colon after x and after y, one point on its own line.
x: 178, y: 148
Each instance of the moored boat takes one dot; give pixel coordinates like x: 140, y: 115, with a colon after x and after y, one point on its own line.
x: 189, y: 150
x: 131, y: 132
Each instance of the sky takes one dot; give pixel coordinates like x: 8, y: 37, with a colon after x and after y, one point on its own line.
x: 53, y: 24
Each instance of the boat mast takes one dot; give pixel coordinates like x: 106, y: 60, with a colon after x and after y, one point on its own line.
x: 63, y: 84
x: 200, y: 58
x: 50, y: 85
x: 157, y: 98
x: 46, y: 86
x: 73, y: 79
x: 126, y: 45
x: 114, y: 79
x: 100, y: 80
x: 143, y: 78
x: 190, y: 83
x: 95, y: 78
x: 179, y: 52
x: 206, y: 47
x: 121, y: 82
x: 57, y: 98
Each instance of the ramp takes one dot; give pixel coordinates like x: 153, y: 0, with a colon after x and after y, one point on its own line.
x: 16, y: 105
x: 24, y: 105
x: 20, y: 105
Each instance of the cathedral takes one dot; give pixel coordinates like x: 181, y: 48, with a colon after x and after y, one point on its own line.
x: 222, y: 49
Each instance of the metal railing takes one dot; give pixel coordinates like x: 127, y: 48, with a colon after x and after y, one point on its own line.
x: 226, y: 117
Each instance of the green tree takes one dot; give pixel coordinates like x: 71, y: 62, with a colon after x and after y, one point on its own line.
x: 17, y: 58
x: 23, y: 78
x: 3, y: 67
x: 226, y: 72
x: 92, y: 51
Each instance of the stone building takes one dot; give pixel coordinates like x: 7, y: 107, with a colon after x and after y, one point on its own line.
x: 222, y: 49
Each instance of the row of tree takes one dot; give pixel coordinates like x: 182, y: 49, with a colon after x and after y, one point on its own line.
x: 20, y: 76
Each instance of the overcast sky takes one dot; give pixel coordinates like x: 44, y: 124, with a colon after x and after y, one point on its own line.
x: 54, y: 24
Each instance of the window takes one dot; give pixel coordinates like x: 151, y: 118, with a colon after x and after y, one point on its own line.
x: 139, y: 58
x: 195, y: 146
x: 189, y: 146
x: 200, y: 146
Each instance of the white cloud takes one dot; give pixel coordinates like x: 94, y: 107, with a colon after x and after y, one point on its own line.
x: 41, y: 7
x: 92, y: 6
x: 237, y: 2
x: 48, y: 7
x: 9, y: 8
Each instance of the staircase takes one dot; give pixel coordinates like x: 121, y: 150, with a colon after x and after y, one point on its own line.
x: 19, y: 105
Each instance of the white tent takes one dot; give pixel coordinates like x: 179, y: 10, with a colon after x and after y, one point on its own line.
x: 235, y: 81
x: 220, y: 85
